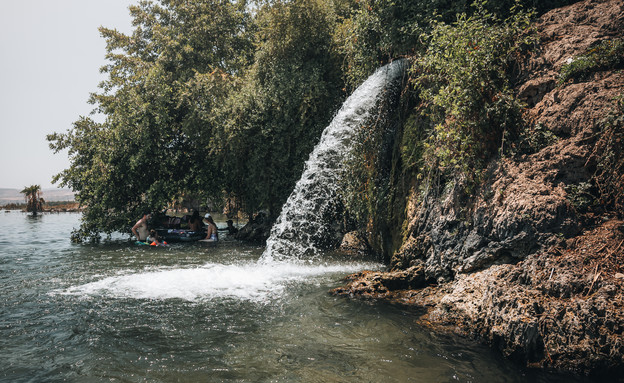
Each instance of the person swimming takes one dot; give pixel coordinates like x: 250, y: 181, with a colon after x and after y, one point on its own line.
x: 195, y: 223
x: 140, y: 229
x: 231, y: 228
x: 154, y: 239
x: 211, y: 230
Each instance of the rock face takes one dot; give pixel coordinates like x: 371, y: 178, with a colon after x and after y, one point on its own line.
x: 561, y: 308
x: 257, y: 230
x: 522, y: 265
x: 354, y: 243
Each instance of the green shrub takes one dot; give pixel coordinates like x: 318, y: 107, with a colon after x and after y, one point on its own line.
x: 466, y: 101
x: 453, y: 114
x: 532, y: 140
x: 606, y: 55
x: 580, y: 196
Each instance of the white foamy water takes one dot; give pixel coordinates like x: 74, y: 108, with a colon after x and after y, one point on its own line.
x: 302, y: 226
x: 252, y: 281
x: 298, y: 229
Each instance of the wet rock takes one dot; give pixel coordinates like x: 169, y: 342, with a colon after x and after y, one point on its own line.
x: 366, y: 284
x: 354, y: 243
x: 412, y: 278
x: 381, y: 285
x: 553, y: 309
x: 256, y: 230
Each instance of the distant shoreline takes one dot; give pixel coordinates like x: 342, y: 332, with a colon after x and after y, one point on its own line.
x: 13, y: 196
x: 50, y: 207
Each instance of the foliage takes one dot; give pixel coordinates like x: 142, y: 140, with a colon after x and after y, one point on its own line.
x: 453, y: 116
x: 289, y: 95
x: 505, y: 8
x: 33, y: 199
x: 531, y: 140
x: 55, y: 206
x: 165, y: 80
x: 466, y: 103
x: 210, y: 99
x: 580, y: 195
x: 373, y: 32
x: 606, y: 55
x: 225, y: 99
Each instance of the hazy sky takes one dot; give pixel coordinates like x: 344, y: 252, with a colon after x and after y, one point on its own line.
x: 51, y: 53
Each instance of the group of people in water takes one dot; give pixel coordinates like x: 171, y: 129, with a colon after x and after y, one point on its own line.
x: 196, y: 224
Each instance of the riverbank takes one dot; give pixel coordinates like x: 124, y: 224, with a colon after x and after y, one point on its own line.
x: 531, y: 263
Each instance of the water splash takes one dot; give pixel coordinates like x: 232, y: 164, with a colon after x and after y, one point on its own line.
x: 301, y: 226
x: 297, y: 232
x: 245, y: 281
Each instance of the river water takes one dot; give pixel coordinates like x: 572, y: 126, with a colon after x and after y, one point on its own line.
x: 117, y: 312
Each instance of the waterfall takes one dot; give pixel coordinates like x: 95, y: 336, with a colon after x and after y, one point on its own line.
x: 301, y: 226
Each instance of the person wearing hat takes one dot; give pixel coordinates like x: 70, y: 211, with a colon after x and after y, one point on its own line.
x: 211, y: 230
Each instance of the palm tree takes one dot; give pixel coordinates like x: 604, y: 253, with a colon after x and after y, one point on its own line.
x: 32, y: 197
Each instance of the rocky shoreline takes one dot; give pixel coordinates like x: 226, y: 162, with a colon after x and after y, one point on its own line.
x: 532, y: 264
x: 561, y: 308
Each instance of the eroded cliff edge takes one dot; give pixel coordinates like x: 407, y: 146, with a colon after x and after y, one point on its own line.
x: 533, y: 263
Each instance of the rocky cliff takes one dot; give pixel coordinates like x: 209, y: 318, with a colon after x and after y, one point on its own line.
x: 533, y: 263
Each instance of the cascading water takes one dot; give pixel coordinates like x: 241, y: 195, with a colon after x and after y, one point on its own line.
x: 301, y: 224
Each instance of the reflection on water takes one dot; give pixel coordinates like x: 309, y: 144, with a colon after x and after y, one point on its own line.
x: 187, y: 313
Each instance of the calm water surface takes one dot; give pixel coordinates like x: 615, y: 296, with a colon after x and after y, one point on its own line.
x: 117, y: 312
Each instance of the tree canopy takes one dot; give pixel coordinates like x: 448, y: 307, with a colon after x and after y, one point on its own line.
x: 165, y: 85
x: 216, y: 99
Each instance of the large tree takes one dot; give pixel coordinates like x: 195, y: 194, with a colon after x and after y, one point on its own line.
x: 164, y: 83
x: 289, y: 95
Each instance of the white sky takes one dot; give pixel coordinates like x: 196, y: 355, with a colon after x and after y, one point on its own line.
x: 50, y: 56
